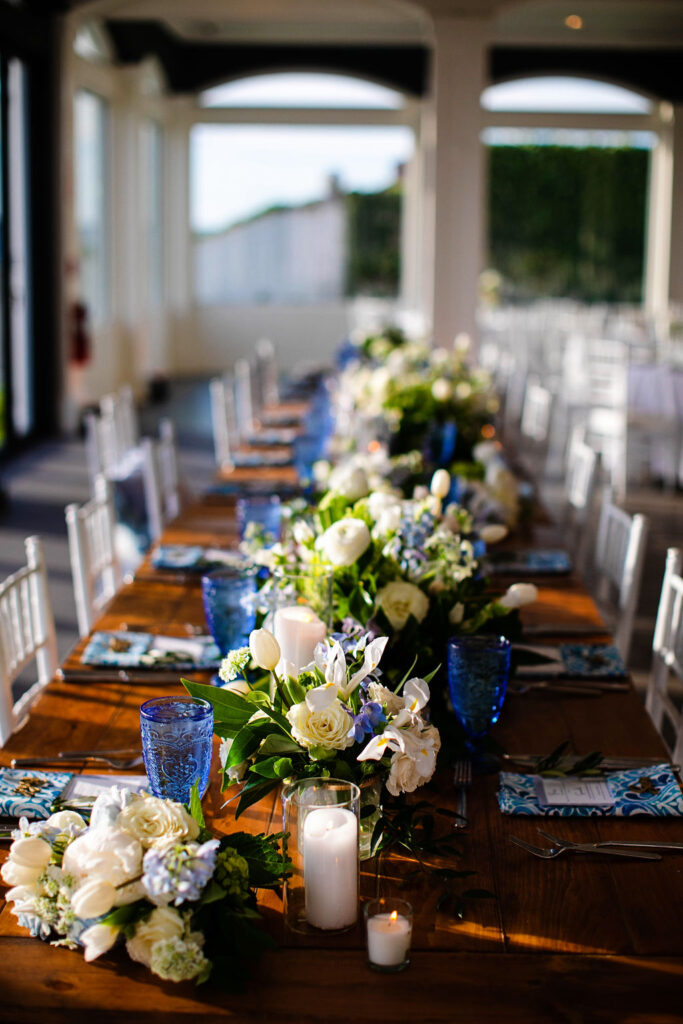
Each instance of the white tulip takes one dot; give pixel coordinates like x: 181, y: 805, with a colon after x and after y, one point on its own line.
x: 19, y: 874
x: 97, y: 940
x: 493, y: 533
x: 265, y: 650
x: 441, y: 483
x: 31, y: 852
x: 518, y: 595
x: 93, y: 899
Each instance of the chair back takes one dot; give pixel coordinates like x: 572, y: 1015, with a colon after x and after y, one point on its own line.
x: 581, y: 478
x: 27, y: 634
x: 535, y: 422
x: 267, y: 372
x: 244, y: 406
x: 95, y: 566
x: 667, y: 658
x: 619, y: 559
x: 222, y: 420
x: 160, y: 478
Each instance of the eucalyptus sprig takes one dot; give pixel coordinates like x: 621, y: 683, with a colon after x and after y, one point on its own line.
x: 557, y: 765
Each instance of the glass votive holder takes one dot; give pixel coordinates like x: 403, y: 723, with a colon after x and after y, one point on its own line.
x: 388, y: 929
x: 264, y: 511
x: 321, y: 824
x: 229, y: 598
x: 177, y: 735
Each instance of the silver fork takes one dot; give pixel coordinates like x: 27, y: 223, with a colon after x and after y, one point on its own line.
x: 462, y: 780
x: 609, y: 843
x: 547, y: 853
x: 118, y: 763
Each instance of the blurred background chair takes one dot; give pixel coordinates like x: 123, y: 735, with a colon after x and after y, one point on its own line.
x: 95, y: 566
x: 667, y: 660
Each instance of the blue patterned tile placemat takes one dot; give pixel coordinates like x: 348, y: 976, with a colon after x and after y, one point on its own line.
x: 30, y: 793
x: 193, y: 556
x: 147, y: 650
x: 531, y: 563
x: 571, y: 661
x: 652, y: 791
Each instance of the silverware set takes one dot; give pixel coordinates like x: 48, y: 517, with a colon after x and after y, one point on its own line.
x: 462, y: 780
x: 607, y: 764
x: 642, y: 850
x: 119, y: 760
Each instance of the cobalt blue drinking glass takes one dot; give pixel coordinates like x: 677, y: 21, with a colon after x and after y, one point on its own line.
x: 478, y: 668
x: 176, y: 745
x: 229, y: 597
x: 264, y: 511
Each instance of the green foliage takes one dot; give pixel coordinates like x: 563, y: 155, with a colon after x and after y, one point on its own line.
x: 374, y: 234
x: 568, y: 222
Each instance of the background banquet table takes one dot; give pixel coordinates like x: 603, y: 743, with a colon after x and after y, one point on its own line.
x: 573, y: 939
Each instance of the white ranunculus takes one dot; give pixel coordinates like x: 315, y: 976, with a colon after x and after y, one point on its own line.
x: 93, y: 898
x: 344, y: 542
x: 382, y: 695
x: 493, y: 533
x: 154, y: 821
x: 380, y: 501
x: 265, y: 650
x: 441, y: 483
x: 350, y: 481
x: 326, y: 728
x: 163, y: 923
x: 399, y: 600
x: 518, y: 595
x: 97, y: 940
x: 66, y: 819
x: 108, y: 854
x: 388, y: 522
x: 302, y: 532
x: 442, y: 389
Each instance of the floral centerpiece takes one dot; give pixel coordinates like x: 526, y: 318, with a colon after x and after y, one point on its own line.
x: 331, y: 717
x: 146, y: 871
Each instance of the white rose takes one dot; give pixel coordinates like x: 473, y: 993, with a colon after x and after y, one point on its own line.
x: 154, y: 821
x: 107, y: 854
x: 518, y: 595
x: 441, y: 389
x: 93, y: 899
x: 109, y: 805
x: 97, y: 940
x: 344, y: 542
x: 350, y: 481
x: 399, y: 600
x: 162, y: 924
x: 328, y: 727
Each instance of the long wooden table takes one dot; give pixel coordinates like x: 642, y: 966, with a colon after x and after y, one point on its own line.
x: 575, y: 939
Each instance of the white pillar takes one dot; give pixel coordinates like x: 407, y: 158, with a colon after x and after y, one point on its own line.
x: 658, y: 233
x: 676, y: 269
x: 459, y: 180
x: 179, y: 271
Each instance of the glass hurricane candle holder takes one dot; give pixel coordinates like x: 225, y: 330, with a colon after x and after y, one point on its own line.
x: 322, y: 818
x: 388, y: 930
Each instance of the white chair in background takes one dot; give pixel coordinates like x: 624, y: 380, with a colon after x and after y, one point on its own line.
x: 223, y: 420
x: 95, y: 566
x: 267, y: 373
x: 580, y: 482
x: 619, y: 560
x: 160, y: 478
x: 534, y: 428
x: 244, y: 403
x: 119, y: 406
x: 27, y: 634
x: 667, y: 659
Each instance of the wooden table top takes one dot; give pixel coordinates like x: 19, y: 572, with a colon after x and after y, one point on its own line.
x: 572, y: 939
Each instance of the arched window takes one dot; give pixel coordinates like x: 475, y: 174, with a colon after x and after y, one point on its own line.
x: 301, y: 89
x: 563, y: 94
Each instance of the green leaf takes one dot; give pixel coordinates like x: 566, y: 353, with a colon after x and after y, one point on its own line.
x: 228, y: 707
x: 196, y: 805
x: 276, y: 744
x: 273, y: 768
x: 321, y: 753
x: 252, y: 791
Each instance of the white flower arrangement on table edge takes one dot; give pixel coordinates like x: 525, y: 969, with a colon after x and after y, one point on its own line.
x: 145, y: 869
x: 331, y: 718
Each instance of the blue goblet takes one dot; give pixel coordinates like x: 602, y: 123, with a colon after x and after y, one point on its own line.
x: 176, y: 745
x: 478, y: 668
x: 229, y: 597
x: 262, y: 510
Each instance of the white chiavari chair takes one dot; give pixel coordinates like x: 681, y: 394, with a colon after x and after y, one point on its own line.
x: 27, y: 635
x: 244, y: 404
x: 223, y: 420
x: 160, y: 478
x: 95, y: 565
x: 580, y: 483
x: 619, y: 560
x: 667, y: 659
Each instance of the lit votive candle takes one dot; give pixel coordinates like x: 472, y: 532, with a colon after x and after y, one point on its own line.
x: 389, y: 924
x: 331, y: 867
x: 298, y: 630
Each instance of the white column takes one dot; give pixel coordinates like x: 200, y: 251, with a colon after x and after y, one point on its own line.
x: 459, y: 179
x: 676, y: 269
x: 658, y: 232
x: 179, y: 271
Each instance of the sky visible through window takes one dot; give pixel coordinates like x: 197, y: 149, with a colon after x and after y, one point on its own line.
x: 240, y: 170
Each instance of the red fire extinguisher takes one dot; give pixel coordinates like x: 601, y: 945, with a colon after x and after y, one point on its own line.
x: 80, y: 333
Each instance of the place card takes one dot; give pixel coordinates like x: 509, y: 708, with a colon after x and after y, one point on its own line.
x: 90, y: 786
x: 573, y: 791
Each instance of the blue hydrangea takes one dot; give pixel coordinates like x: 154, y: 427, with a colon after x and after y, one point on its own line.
x: 366, y: 721
x: 178, y: 873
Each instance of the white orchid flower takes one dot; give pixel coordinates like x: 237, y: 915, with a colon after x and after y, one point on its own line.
x: 373, y: 656
x: 415, y: 695
x: 321, y: 697
x: 391, y: 739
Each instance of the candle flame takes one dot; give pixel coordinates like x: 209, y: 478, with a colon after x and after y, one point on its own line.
x: 394, y: 915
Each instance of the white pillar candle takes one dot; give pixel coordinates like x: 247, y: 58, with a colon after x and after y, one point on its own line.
x: 298, y: 629
x: 388, y: 939
x: 331, y: 867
